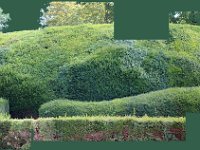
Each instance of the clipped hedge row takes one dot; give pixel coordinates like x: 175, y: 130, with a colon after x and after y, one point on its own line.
x: 4, y: 106
x: 15, y: 134
x: 90, y: 129
x: 169, y: 102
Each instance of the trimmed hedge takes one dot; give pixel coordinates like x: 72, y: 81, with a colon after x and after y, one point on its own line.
x: 85, y: 63
x: 90, y: 129
x: 15, y: 134
x: 4, y: 106
x: 169, y: 102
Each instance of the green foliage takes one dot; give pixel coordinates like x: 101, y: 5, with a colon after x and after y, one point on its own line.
x: 109, y: 128
x: 4, y: 18
x: 4, y: 106
x: 101, y: 77
x: 32, y: 62
x: 25, y: 93
x: 3, y: 52
x: 170, y: 102
x: 4, y: 116
x: 124, y: 71
x: 109, y: 15
x: 72, y: 13
x: 84, y: 62
x: 15, y: 134
x: 185, y: 17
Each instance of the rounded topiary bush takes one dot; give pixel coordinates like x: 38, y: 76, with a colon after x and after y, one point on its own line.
x: 101, y: 78
x: 169, y: 102
x: 119, y: 72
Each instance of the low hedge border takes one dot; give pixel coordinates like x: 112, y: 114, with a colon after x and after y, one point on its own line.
x: 4, y: 106
x: 98, y: 128
x: 173, y: 102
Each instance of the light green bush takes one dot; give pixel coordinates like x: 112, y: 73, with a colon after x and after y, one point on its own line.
x: 170, y: 102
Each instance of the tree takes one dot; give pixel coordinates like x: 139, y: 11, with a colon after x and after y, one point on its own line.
x: 4, y: 18
x: 188, y: 17
x: 72, y: 13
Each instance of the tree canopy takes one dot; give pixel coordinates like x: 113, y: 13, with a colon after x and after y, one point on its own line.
x: 4, y: 18
x: 72, y: 13
x: 188, y: 17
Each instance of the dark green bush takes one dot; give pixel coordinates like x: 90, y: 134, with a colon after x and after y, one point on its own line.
x: 86, y: 63
x: 4, y: 106
x: 126, y: 72
x: 25, y: 93
x: 102, y: 77
x: 170, y: 102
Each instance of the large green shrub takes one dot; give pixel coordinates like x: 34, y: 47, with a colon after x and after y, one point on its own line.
x: 101, y: 77
x: 25, y: 93
x: 170, y: 102
x: 84, y: 62
x: 4, y: 106
x: 119, y: 72
x: 31, y: 63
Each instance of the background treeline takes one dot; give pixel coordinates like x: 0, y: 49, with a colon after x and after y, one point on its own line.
x: 187, y: 17
x: 73, y: 13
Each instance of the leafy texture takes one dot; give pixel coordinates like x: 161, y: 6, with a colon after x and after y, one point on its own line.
x: 4, y: 106
x: 170, y: 102
x: 4, y: 18
x: 72, y: 13
x: 85, y: 63
x: 16, y: 134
